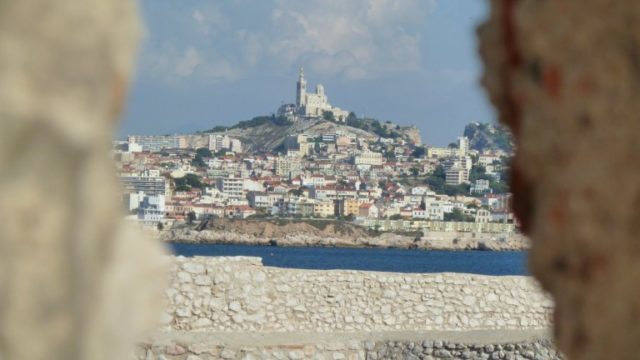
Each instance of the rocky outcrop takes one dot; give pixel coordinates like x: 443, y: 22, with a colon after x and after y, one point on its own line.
x: 412, y: 133
x: 338, y: 234
x: 488, y: 136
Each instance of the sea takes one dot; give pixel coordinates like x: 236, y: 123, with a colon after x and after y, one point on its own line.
x: 369, y: 259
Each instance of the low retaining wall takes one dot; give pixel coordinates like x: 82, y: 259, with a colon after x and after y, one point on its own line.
x: 357, y: 346
x: 239, y: 294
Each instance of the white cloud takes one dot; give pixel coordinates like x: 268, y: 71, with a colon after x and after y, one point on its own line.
x: 187, y: 63
x: 251, y: 46
x: 210, y: 20
x: 198, y: 16
x: 357, y: 38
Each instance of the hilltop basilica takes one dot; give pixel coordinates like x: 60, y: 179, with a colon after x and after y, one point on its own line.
x: 310, y: 104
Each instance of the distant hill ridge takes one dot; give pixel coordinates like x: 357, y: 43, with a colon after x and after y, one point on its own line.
x: 266, y: 133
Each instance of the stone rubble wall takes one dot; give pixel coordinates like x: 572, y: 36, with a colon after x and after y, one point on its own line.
x: 533, y: 349
x: 239, y: 294
x: 539, y: 349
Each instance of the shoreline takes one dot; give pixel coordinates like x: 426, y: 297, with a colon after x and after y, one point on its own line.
x: 453, y: 241
x: 344, y: 246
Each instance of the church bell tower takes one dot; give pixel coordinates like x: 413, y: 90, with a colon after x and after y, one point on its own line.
x: 301, y: 90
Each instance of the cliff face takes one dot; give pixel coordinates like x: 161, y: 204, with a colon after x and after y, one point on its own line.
x: 412, y: 134
x: 487, y: 136
x: 336, y: 234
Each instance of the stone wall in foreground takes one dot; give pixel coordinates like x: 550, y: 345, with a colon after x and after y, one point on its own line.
x: 537, y: 348
x: 239, y: 294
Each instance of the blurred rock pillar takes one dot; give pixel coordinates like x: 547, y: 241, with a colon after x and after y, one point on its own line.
x: 565, y: 77
x: 74, y: 283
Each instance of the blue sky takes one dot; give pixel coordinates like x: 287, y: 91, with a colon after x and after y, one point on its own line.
x: 204, y: 63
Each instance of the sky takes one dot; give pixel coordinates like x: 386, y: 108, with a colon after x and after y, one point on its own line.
x: 203, y: 63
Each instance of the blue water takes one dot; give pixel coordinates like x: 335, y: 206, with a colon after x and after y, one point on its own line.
x: 393, y: 260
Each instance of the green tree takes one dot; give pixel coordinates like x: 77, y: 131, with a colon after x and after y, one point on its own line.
x: 296, y: 192
x: 352, y: 119
x: 262, y: 120
x: 160, y: 226
x: 436, y: 180
x: 191, y: 217
x: 455, y: 215
x: 198, y: 161
x: 499, y: 187
x: 218, y: 128
x: 204, y: 152
x: 188, y: 182
x: 328, y: 115
x: 452, y: 190
x: 478, y: 172
x: 419, y: 152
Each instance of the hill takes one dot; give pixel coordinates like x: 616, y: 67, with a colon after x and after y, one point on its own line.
x: 267, y: 133
x: 488, y: 136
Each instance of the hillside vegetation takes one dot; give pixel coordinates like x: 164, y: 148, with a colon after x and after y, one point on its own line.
x: 267, y: 133
x: 488, y: 136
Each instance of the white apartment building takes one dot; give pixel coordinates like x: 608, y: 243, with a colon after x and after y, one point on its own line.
x: 461, y: 151
x: 487, y: 159
x: 314, y: 180
x: 263, y: 200
x: 483, y: 216
x: 155, y: 143
x: 463, y: 146
x: 456, y: 176
x: 134, y: 147
x: 368, y: 158
x: 132, y: 200
x: 422, y: 190
x: 151, y: 209
x: 433, y: 211
x: 480, y: 186
x: 440, y: 153
x: 288, y: 166
x: 224, y: 142
x: 231, y: 187
x: 149, y: 185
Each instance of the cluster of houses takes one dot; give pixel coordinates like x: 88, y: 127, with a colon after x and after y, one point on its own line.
x: 334, y: 175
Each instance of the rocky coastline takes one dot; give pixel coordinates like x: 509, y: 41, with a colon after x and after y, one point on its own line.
x: 332, y: 235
